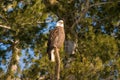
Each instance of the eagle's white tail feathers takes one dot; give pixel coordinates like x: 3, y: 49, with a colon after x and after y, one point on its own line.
x: 52, y: 56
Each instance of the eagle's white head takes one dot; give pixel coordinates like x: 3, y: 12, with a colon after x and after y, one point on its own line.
x: 60, y: 23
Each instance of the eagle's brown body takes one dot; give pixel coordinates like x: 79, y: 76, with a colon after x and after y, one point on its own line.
x: 56, y: 39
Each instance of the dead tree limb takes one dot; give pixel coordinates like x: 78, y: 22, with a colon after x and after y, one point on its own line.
x: 57, y: 67
x: 6, y: 27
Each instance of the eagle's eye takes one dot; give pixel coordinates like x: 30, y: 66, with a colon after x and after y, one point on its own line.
x: 61, y: 22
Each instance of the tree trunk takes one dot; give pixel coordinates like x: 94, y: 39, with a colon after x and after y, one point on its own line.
x: 57, y: 67
x: 12, y: 66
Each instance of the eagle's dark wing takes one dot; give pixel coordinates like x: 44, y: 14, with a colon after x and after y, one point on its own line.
x: 52, y: 41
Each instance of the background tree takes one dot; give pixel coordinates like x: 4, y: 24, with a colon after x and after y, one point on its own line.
x: 92, y: 25
x: 79, y: 16
x: 19, y: 22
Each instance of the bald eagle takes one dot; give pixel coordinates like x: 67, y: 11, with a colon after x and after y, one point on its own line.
x: 56, y: 39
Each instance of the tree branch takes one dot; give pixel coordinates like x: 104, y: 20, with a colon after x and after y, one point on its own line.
x: 3, y: 18
x: 57, y: 67
x: 101, y: 3
x: 3, y: 26
x: 87, y: 8
x: 6, y: 41
x: 82, y: 13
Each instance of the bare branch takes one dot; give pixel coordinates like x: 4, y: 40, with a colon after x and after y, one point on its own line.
x: 101, y: 3
x: 87, y: 8
x: 5, y: 41
x: 57, y: 67
x: 6, y: 27
x: 82, y: 14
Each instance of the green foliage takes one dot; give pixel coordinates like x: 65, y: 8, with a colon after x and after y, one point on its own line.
x: 94, y: 51
x: 96, y: 55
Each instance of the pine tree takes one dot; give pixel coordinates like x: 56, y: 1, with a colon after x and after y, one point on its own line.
x: 92, y: 28
x: 19, y: 20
